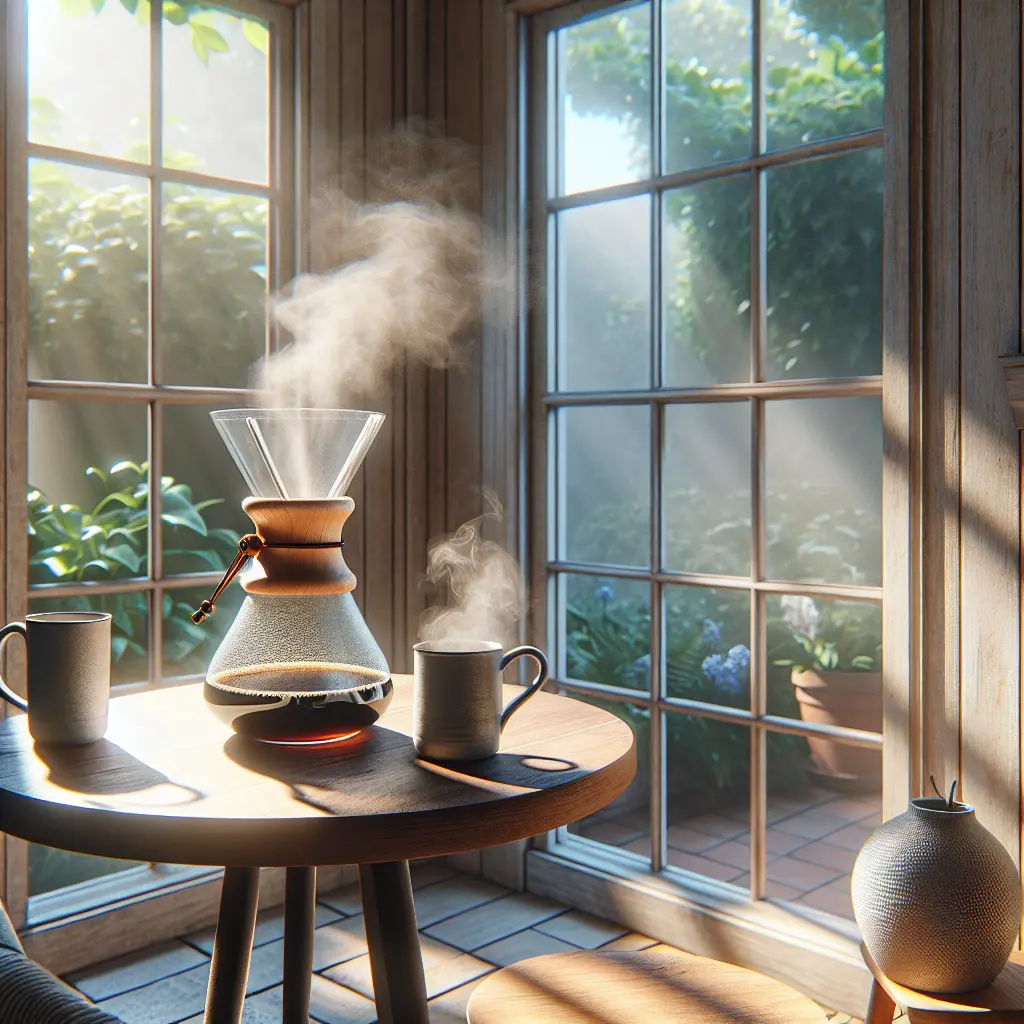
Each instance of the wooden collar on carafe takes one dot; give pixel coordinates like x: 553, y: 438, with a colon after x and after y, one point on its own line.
x: 295, y: 551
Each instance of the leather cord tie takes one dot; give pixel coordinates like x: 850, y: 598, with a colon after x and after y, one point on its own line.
x: 249, y: 546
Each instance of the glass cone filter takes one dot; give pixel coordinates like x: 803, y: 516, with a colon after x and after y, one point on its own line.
x: 298, y: 453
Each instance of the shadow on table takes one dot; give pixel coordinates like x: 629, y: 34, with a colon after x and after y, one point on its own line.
x: 378, y: 771
x: 105, y: 769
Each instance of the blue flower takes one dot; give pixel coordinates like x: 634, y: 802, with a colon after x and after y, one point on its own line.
x: 739, y: 656
x: 712, y: 633
x: 605, y: 594
x: 713, y: 666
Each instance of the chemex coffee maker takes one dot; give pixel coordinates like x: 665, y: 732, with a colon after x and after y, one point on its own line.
x: 299, y: 664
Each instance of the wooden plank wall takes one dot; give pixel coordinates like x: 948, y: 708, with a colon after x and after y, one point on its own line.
x: 954, y: 308
x: 373, y: 64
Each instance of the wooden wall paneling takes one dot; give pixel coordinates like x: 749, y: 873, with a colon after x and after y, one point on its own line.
x: 464, y: 461
x: 499, y: 177
x: 463, y: 432
x: 940, y: 532
x: 3, y: 348
x: 352, y: 52
x: 413, y: 516
x: 324, y: 104
x: 379, y: 480
x: 900, y: 351
x: 401, y: 654
x: 436, y: 425
x: 990, y: 157
x: 14, y: 425
x: 497, y: 336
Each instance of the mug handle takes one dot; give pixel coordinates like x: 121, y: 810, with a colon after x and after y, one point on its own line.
x: 517, y: 702
x: 5, y: 691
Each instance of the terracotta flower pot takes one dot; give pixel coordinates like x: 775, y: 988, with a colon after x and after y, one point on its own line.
x: 850, y: 699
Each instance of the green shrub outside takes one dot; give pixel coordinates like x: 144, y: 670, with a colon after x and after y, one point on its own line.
x: 824, y: 222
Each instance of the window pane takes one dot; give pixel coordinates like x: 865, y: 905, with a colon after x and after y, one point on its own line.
x: 707, y: 645
x: 816, y: 826
x: 188, y: 648
x: 604, y: 296
x: 72, y: 106
x: 824, y: 63
x: 50, y: 869
x: 708, y: 110
x: 626, y: 822
x: 706, y: 486
x: 708, y: 779
x: 604, y: 500
x: 88, y: 265
x: 706, y: 279
x: 202, y: 494
x: 825, y: 661
x: 216, y: 93
x: 604, y: 100
x: 129, y: 630
x: 88, y: 491
x: 825, y: 267
x: 214, y: 284
x: 605, y: 630
x: 824, y: 481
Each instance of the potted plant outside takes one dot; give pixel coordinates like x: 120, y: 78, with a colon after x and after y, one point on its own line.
x: 837, y: 681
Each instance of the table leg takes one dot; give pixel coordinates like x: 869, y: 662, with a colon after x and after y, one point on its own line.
x: 232, y: 946
x: 299, y: 924
x: 880, y: 1006
x: 399, y: 987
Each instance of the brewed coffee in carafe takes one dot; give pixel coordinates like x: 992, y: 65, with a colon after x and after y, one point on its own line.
x: 298, y: 664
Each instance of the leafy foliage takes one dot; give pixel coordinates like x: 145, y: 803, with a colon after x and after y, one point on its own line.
x: 68, y: 544
x: 831, y: 635
x: 198, y: 16
x: 823, y: 218
x: 88, y: 274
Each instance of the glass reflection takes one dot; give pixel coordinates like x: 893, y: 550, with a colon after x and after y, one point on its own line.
x: 604, y: 100
x: 824, y: 490
x: 604, y: 500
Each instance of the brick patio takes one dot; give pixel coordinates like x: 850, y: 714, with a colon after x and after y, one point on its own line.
x: 468, y: 928
x: 812, y: 839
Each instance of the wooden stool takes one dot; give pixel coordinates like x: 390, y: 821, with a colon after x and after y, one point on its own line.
x: 658, y: 986
x: 1002, y: 1001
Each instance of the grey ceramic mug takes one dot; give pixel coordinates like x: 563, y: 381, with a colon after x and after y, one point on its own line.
x: 457, y: 712
x: 68, y: 675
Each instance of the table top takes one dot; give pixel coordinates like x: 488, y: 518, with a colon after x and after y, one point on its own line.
x: 171, y: 783
x: 1004, y: 995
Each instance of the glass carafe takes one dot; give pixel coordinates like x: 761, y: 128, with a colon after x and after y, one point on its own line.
x: 298, y: 664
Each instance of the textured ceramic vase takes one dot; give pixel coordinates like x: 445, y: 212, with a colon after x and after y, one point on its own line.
x: 937, y: 898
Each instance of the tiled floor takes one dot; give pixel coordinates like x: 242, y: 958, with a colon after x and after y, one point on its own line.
x: 812, y: 839
x: 468, y: 927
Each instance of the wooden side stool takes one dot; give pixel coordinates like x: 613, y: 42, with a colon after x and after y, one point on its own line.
x: 658, y: 986
x: 1002, y: 1001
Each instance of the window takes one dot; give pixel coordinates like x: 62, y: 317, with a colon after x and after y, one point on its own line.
x: 159, y: 216
x: 708, y: 376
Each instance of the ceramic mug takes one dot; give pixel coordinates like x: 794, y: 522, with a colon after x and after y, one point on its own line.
x: 68, y: 675
x: 457, y: 713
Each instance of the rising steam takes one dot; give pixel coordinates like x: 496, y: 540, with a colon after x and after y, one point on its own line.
x: 484, y: 583
x: 412, y: 265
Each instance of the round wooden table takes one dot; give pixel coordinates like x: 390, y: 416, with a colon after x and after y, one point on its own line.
x: 170, y: 783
